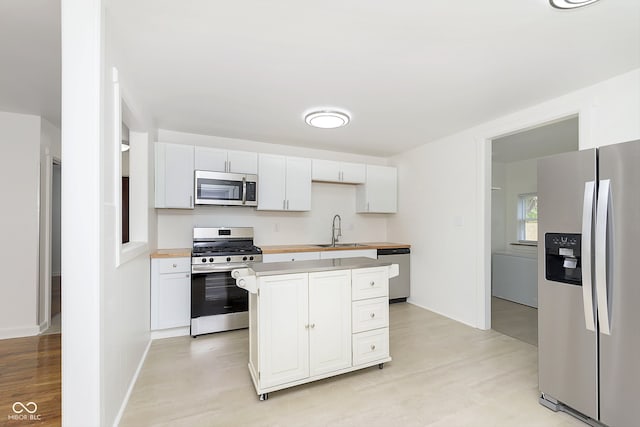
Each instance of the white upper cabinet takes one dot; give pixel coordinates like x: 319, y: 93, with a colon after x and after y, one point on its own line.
x: 284, y: 183
x: 331, y: 171
x: 174, y: 176
x: 379, y: 194
x: 298, y: 184
x: 215, y: 159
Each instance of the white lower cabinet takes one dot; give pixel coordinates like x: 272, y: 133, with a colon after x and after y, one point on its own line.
x: 170, y: 293
x: 307, y: 326
x: 283, y: 319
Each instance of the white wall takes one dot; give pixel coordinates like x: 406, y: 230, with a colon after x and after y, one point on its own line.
x: 272, y: 228
x: 105, y: 328
x: 19, y: 186
x: 449, y: 225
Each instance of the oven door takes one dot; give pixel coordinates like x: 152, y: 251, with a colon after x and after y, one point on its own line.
x: 228, y: 189
x: 216, y: 293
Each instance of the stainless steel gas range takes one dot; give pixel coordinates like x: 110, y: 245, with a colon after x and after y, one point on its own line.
x: 217, y: 304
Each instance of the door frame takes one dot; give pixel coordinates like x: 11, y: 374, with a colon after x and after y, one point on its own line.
x: 46, y: 228
x: 484, y: 191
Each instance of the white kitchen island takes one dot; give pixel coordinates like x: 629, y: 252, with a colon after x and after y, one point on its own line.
x: 310, y: 320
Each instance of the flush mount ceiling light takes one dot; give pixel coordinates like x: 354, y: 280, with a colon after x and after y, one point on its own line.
x: 327, y: 119
x: 570, y: 4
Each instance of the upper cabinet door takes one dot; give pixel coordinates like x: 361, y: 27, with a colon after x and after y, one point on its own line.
x: 174, y: 176
x: 210, y: 159
x: 379, y: 194
x: 242, y: 162
x: 330, y: 171
x: 353, y: 173
x: 326, y: 170
x: 271, y: 182
x: 298, y: 187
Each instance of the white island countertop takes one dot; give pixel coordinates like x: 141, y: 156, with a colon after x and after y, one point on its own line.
x: 292, y: 267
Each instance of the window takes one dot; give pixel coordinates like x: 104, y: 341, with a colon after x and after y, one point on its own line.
x: 528, y: 217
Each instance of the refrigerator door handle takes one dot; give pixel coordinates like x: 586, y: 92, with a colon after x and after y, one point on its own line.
x: 604, y: 192
x: 587, y: 225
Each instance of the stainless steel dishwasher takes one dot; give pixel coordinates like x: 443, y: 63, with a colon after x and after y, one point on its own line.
x: 398, y: 286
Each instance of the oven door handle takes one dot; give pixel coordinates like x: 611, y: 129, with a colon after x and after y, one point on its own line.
x: 204, y: 269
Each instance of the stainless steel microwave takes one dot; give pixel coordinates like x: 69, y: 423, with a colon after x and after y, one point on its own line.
x: 226, y: 189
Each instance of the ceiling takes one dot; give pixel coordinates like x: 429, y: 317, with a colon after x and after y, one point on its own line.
x: 408, y: 71
x: 554, y: 138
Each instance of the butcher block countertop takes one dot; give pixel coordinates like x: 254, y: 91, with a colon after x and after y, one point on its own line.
x: 172, y: 253
x: 283, y: 249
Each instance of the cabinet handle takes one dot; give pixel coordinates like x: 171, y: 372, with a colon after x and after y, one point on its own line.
x: 372, y: 283
x: 187, y: 276
x: 175, y: 265
x: 313, y: 325
x: 287, y: 204
x: 293, y: 259
x: 229, y: 166
x: 284, y: 204
x: 373, y: 315
x: 339, y: 176
x: 190, y: 201
x: 373, y: 347
x: 225, y: 166
x: 306, y: 326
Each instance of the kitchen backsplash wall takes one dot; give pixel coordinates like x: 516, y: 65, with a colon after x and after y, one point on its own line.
x: 276, y: 228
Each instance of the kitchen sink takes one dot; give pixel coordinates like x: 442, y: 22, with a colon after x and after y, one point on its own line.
x: 340, y: 245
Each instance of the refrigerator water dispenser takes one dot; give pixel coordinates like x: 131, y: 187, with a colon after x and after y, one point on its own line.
x: 562, y: 257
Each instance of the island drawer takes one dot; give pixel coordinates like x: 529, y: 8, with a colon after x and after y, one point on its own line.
x: 173, y: 265
x: 370, y: 314
x: 370, y: 283
x: 370, y: 346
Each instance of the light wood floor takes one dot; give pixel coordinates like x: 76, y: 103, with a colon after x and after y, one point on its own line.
x: 443, y: 373
x: 516, y: 320
x: 30, y: 372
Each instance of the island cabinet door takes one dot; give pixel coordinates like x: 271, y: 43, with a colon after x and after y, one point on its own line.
x: 283, y: 314
x: 329, y: 321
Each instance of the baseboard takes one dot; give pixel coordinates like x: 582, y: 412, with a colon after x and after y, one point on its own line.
x: 412, y: 302
x: 25, y: 331
x: 170, y: 333
x: 132, y: 384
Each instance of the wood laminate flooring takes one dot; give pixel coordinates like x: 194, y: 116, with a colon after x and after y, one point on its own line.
x: 443, y: 373
x: 30, y: 372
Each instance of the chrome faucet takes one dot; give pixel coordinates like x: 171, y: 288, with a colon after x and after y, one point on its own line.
x: 334, y: 236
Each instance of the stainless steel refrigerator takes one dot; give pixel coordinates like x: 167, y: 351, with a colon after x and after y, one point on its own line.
x: 589, y: 283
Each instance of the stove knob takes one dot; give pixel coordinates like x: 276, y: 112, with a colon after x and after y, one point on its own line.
x: 228, y: 258
x: 204, y: 260
x: 210, y: 259
x: 250, y: 258
x: 244, y: 258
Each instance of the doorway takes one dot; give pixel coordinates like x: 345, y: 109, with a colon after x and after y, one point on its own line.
x: 514, y: 216
x: 56, y: 249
